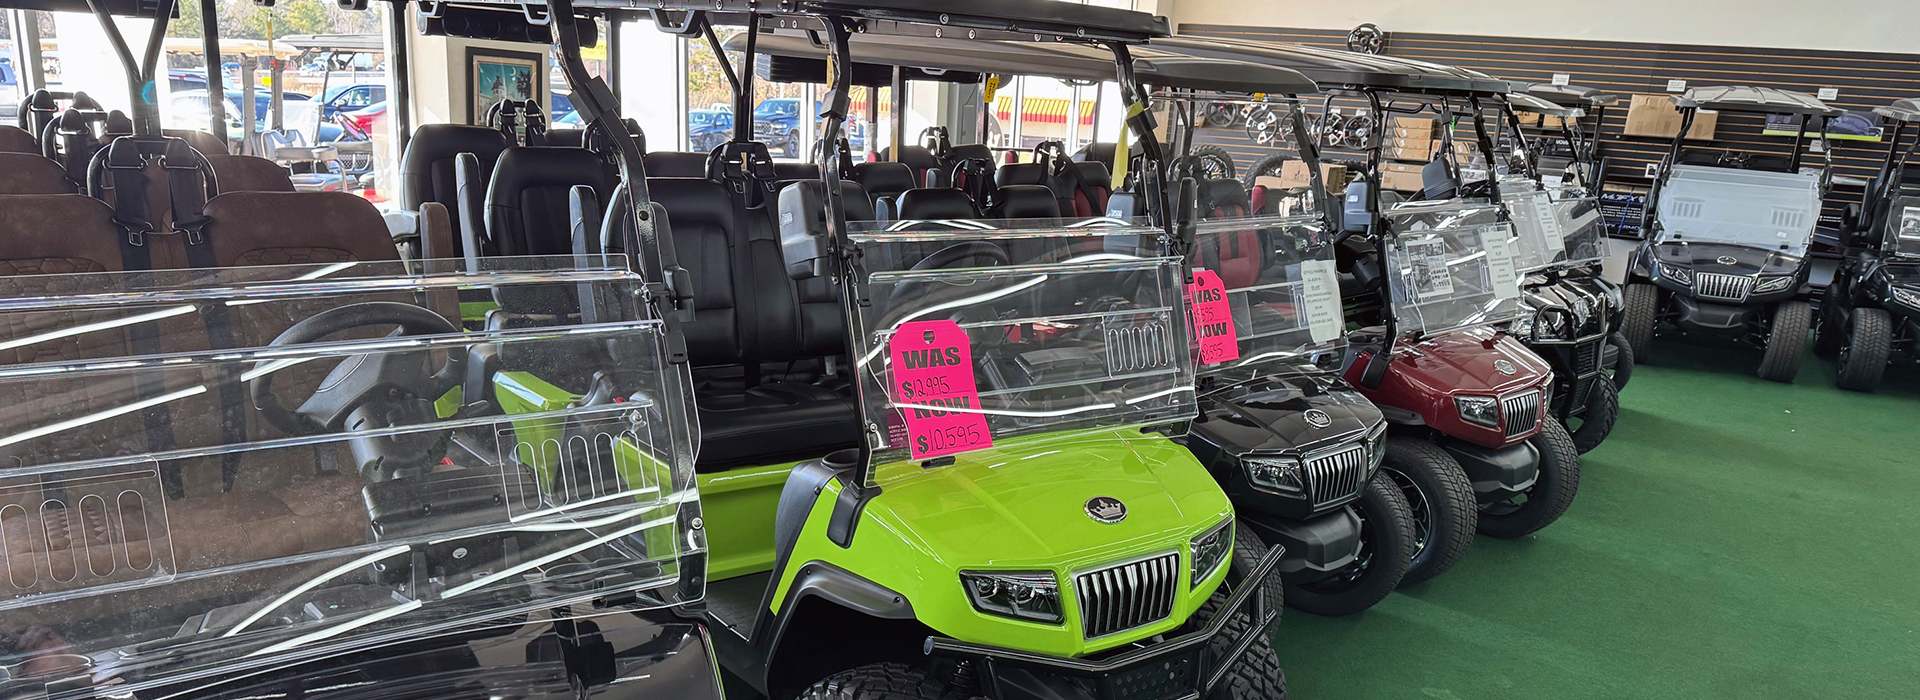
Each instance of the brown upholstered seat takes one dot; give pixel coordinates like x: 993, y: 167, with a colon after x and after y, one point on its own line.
x: 207, y: 144
x: 14, y: 139
x: 249, y: 174
x: 286, y: 228
x: 31, y: 173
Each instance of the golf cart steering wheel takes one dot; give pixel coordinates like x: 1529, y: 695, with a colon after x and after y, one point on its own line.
x: 952, y: 256
x: 381, y: 390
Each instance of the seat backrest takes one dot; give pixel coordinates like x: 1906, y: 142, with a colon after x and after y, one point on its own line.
x: 702, y: 216
x: 676, y: 164
x: 32, y: 173
x: 205, y: 143
x: 796, y: 171
x: 14, y: 139
x: 527, y: 207
x: 249, y: 174
x: 57, y: 234
x: 1097, y: 152
x: 1237, y: 256
x: 426, y: 171
x: 286, y: 228
x: 1436, y: 181
x: 884, y: 179
x: 926, y: 167
x: 1025, y: 202
x: 937, y: 203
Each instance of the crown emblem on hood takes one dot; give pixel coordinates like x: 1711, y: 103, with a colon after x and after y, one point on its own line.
x: 1106, y: 509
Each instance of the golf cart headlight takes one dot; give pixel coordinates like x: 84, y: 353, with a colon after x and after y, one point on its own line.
x: 1376, y: 448
x: 1021, y: 595
x: 1680, y: 275
x: 1772, y: 284
x: 1210, y: 550
x: 1478, y: 410
x: 1905, y: 297
x: 1276, y: 473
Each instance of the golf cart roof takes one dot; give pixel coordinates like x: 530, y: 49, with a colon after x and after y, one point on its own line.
x: 996, y: 18
x: 1052, y: 59
x: 120, y: 8
x: 1523, y: 102
x: 1332, y: 68
x: 1907, y: 110
x: 1572, y: 95
x: 1747, y: 98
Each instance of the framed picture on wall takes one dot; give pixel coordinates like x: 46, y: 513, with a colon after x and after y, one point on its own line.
x: 494, y: 75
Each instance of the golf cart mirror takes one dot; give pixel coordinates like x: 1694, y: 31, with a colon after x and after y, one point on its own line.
x: 1450, y: 265
x: 984, y: 334
x: 338, y: 461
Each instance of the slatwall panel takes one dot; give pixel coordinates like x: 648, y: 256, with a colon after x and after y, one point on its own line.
x: 1865, y: 81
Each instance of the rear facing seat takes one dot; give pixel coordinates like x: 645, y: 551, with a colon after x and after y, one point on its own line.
x: 249, y: 174
x: 32, y: 173
x: 14, y: 139
x: 676, y: 164
x: 884, y: 182
x: 527, y: 206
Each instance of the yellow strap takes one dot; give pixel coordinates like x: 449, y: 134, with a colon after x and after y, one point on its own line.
x: 1120, y: 149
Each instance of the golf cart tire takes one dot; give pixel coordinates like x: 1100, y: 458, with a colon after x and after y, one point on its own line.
x: 1265, y: 167
x: 1552, y: 492
x: 1829, y: 335
x: 1218, y: 156
x: 882, y: 681
x: 1623, y: 359
x: 1643, y: 302
x: 1383, y: 507
x: 1258, y: 675
x: 1603, y: 408
x: 1437, y: 479
x: 1865, y: 359
x: 1786, y: 341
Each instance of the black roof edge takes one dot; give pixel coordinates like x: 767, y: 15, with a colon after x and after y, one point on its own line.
x: 1754, y: 100
x: 1007, y: 19
x: 1571, y: 95
x: 1333, y: 68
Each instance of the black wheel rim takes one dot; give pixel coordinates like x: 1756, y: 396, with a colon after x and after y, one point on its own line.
x: 1422, y: 510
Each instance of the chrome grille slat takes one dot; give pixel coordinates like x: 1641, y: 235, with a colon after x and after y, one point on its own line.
x: 1119, y: 598
x: 1521, y: 412
x: 1713, y: 285
x: 1336, y: 476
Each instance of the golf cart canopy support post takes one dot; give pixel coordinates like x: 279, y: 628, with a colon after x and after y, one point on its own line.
x: 140, y: 71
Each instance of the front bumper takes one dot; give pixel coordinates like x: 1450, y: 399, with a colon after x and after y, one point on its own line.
x: 1178, y: 668
x: 1577, y: 366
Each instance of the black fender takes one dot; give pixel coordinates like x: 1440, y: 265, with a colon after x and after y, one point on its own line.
x: 869, y: 623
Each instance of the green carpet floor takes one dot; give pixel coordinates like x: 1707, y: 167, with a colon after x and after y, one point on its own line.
x: 1734, y: 538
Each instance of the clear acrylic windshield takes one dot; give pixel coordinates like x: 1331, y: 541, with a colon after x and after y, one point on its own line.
x: 1450, y: 265
x: 216, y: 470
x: 984, y: 333
x: 1903, y: 227
x: 1550, y: 232
x: 1756, y: 208
x: 1281, y: 294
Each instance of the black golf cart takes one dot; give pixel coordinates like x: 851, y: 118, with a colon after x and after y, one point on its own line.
x: 1569, y: 159
x: 231, y: 474
x: 1870, y: 314
x: 1726, y: 235
x: 1559, y: 246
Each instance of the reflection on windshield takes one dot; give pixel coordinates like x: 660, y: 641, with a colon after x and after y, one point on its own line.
x: 1768, y: 210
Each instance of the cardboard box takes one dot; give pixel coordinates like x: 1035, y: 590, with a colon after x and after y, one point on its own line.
x: 1401, y: 177
x: 1293, y: 175
x: 1416, y: 123
x: 1655, y: 116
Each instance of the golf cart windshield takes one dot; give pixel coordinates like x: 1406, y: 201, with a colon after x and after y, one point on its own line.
x: 1282, y: 294
x: 1551, y: 232
x: 1450, y: 265
x: 217, y: 470
x: 993, y: 332
x: 1903, y: 228
x: 1753, y: 208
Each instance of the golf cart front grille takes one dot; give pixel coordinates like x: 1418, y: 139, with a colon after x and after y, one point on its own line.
x: 1119, y: 598
x: 1710, y: 285
x: 1336, y: 477
x: 1522, y: 413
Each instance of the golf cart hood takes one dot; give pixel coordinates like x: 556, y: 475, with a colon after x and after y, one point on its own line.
x: 1269, y: 416
x: 1031, y: 499
x: 1468, y: 362
x: 1726, y: 259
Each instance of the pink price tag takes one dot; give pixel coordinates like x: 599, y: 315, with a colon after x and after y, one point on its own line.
x: 1212, y: 318
x: 932, y: 371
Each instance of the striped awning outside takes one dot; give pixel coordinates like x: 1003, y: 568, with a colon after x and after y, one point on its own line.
x: 1043, y: 110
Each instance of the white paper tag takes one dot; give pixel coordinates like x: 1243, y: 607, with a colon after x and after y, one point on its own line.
x: 1817, y: 146
x: 1552, y: 180
x: 1676, y: 86
x: 1320, y: 297
x: 1653, y: 170
x: 1562, y: 78
x: 1828, y: 94
x: 1500, y: 273
x: 1549, y: 218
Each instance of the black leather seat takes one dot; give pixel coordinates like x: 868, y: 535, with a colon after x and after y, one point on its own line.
x: 796, y: 171
x: 884, y: 182
x: 1025, y: 202
x: 751, y: 323
x: 676, y: 164
x: 925, y: 165
x: 527, y: 206
x: 427, y: 168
